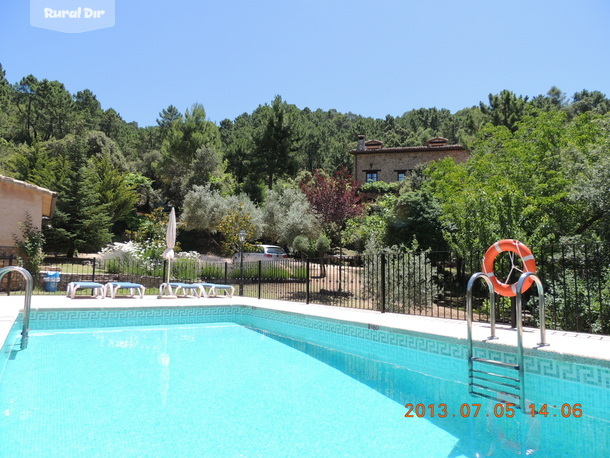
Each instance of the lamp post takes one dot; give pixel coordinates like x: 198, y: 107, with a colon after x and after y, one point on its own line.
x: 242, y: 239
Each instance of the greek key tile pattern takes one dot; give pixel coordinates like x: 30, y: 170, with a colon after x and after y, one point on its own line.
x: 104, y: 318
x: 437, y: 357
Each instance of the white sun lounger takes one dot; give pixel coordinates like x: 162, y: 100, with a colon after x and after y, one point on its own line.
x: 113, y: 286
x: 175, y: 287
x: 211, y: 289
x: 98, y: 289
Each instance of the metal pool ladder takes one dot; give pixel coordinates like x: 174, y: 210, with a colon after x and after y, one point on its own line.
x: 29, y: 284
x: 501, y: 387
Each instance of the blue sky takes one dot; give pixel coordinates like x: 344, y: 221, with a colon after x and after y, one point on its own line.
x: 372, y: 58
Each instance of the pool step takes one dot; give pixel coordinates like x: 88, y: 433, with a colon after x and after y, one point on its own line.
x: 500, y: 387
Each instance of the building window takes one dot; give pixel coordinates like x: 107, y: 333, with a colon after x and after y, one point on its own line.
x: 402, y: 174
x: 371, y: 175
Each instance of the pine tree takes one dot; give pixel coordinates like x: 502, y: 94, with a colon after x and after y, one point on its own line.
x: 81, y: 222
x: 274, y: 147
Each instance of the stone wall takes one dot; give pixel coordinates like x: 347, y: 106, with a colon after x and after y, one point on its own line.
x: 386, y: 162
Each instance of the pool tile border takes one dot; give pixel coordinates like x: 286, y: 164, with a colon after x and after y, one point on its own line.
x: 325, y: 330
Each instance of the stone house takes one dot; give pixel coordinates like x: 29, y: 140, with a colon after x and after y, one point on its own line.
x: 18, y: 198
x: 373, y: 162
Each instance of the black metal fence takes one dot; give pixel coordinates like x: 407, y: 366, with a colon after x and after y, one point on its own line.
x: 576, y: 281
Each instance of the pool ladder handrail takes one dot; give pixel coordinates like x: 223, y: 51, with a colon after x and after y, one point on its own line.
x: 477, y: 378
x: 29, y: 285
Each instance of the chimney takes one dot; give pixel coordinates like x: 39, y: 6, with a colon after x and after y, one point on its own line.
x: 437, y: 141
x: 360, y: 143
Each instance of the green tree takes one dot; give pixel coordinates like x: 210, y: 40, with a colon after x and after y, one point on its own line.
x: 238, y: 146
x: 274, y: 146
x: 515, y: 185
x: 191, y: 141
x: 81, y: 222
x: 56, y: 109
x: 88, y: 110
x: 205, y: 208
x: 370, y: 225
x: 149, y: 234
x: 5, y: 105
x: 25, y: 102
x: 287, y: 214
x: 115, y: 193
x: 99, y: 144
x: 588, y: 165
x: 505, y: 109
x: 585, y: 101
x: 232, y: 223
x: 415, y: 215
x: 111, y: 123
x: 148, y: 197
x: 4, y: 85
x: 35, y: 164
x: 167, y: 117
x: 45, y: 109
x: 553, y: 100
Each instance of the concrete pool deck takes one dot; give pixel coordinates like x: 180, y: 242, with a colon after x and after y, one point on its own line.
x: 561, y: 344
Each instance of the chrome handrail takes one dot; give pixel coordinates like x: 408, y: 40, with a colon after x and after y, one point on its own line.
x: 492, y: 300
x: 29, y: 285
x: 524, y: 276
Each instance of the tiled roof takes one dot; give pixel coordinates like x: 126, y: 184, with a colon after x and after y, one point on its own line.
x: 409, y: 149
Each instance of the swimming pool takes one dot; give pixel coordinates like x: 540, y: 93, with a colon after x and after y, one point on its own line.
x: 244, y: 381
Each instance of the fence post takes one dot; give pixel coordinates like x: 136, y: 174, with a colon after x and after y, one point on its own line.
x: 260, y: 283
x: 93, y: 272
x: 383, y: 283
x: 307, y: 281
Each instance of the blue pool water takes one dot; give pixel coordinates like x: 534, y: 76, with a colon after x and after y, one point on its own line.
x: 254, y: 383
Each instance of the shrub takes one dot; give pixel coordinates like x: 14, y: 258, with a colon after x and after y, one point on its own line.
x: 184, y: 269
x: 211, y: 271
x: 409, y: 278
x: 130, y: 258
x: 114, y: 266
x: 380, y: 187
x: 268, y: 272
x: 301, y: 244
x: 30, y: 246
x: 299, y: 273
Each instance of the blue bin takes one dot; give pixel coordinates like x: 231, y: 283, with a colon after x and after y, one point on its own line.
x: 51, y: 281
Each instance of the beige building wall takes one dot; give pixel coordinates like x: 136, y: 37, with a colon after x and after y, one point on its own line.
x: 16, y: 199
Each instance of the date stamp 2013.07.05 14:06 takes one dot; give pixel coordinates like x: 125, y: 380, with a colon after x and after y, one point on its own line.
x: 497, y: 410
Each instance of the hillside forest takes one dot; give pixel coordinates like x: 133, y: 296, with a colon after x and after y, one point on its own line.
x: 538, y: 171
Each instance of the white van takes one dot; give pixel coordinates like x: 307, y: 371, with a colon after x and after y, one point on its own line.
x: 262, y: 253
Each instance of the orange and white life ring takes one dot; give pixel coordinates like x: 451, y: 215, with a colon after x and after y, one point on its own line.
x: 515, y: 246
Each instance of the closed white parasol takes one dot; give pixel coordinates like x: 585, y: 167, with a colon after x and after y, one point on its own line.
x: 170, y: 240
